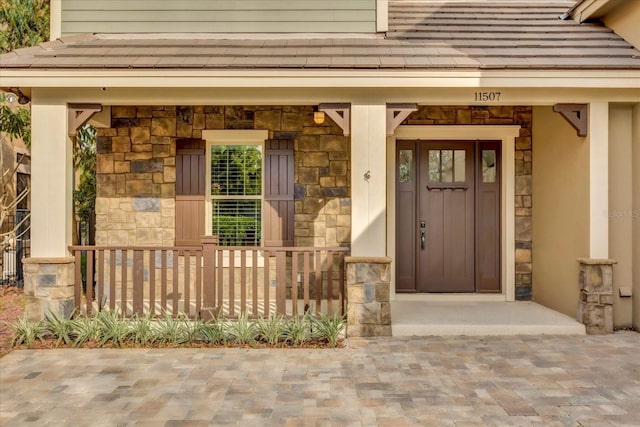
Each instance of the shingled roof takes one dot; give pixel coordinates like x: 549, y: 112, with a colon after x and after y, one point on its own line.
x: 422, y: 35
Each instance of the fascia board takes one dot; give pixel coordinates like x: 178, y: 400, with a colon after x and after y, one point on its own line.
x: 321, y: 79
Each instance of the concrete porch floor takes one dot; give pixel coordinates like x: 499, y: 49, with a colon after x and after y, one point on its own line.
x: 424, y: 318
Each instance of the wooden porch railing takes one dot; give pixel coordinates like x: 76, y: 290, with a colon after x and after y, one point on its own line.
x: 258, y: 281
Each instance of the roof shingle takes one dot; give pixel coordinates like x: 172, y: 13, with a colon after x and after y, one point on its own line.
x: 423, y: 35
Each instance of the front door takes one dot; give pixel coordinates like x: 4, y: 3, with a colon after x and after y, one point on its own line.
x: 448, y: 216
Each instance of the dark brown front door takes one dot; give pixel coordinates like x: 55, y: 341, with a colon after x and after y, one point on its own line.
x: 448, y: 216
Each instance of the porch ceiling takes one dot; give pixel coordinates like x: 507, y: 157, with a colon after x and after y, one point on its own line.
x: 428, y: 35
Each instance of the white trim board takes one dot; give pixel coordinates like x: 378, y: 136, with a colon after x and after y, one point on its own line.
x: 507, y: 135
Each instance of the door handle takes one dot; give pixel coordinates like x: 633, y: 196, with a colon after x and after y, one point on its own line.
x: 422, y: 240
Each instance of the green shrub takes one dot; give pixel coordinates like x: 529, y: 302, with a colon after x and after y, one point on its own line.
x: 59, y: 327
x: 26, y: 332
x: 271, y: 330
x: 328, y: 328
x: 241, y: 331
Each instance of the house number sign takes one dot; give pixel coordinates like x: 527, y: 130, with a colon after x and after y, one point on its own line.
x: 487, y: 96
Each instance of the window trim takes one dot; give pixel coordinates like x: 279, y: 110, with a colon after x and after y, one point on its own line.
x: 231, y: 137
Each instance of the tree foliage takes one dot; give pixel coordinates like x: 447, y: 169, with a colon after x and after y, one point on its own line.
x: 23, y: 23
x: 84, y: 160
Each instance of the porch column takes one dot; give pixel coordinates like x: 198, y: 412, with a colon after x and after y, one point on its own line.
x: 598, y: 180
x: 49, y: 271
x: 368, y: 180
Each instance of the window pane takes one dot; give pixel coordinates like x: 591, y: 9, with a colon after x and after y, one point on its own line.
x: 434, y: 165
x: 459, y: 165
x: 488, y: 166
x: 447, y: 165
x: 237, y: 222
x: 406, y: 165
x: 236, y: 170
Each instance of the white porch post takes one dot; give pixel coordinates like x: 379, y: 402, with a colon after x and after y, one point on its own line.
x: 598, y: 180
x: 368, y: 180
x: 51, y: 180
x: 49, y: 273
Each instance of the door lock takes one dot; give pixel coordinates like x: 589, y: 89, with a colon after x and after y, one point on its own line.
x: 423, y: 224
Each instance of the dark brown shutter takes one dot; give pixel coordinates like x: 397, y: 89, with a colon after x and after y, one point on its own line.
x: 190, y: 189
x: 278, y: 194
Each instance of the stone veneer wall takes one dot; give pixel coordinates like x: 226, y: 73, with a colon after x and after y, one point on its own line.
x: 136, y: 171
x: 500, y: 115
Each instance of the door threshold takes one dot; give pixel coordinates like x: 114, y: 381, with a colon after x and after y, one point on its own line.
x: 447, y: 297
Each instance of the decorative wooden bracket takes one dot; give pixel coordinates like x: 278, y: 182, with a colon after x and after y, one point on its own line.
x: 79, y: 114
x: 339, y: 113
x: 576, y: 115
x: 396, y: 113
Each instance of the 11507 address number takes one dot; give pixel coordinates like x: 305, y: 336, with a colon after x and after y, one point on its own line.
x: 487, y: 96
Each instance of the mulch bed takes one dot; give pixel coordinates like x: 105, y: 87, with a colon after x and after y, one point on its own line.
x: 11, y: 308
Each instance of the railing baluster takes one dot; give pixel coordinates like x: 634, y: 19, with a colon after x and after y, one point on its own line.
x: 112, y: 279
x: 329, y: 282
x: 163, y: 281
x: 294, y: 283
x: 175, y: 255
x: 307, y: 268
x: 232, y: 283
x: 123, y: 288
x: 220, y: 270
x: 281, y: 282
x: 318, y: 259
x: 187, y: 283
x: 89, y: 282
x: 152, y: 282
x: 267, y: 265
x: 198, y: 284
x: 341, y: 282
x: 77, y: 280
x: 138, y: 282
x: 100, y: 284
x: 254, y: 281
x: 243, y: 281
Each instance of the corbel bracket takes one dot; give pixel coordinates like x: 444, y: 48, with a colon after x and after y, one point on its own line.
x: 577, y: 116
x: 396, y: 113
x: 79, y: 114
x: 339, y: 113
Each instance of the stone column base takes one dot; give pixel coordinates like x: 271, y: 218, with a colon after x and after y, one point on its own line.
x: 48, y: 286
x: 368, y: 288
x: 595, y: 309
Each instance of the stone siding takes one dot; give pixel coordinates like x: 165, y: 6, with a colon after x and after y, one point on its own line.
x: 136, y: 171
x: 500, y: 115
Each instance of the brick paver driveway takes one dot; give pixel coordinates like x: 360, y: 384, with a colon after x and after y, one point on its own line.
x: 541, y: 380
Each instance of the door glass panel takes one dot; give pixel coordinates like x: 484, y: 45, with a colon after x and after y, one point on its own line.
x: 488, y: 166
x: 447, y: 165
x: 459, y: 164
x: 406, y: 165
x: 434, y: 165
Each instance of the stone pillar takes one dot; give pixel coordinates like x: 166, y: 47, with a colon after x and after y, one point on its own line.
x: 368, y: 288
x: 48, y: 286
x: 595, y: 309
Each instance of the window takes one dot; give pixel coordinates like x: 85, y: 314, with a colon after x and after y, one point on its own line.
x: 236, y: 193
x: 447, y: 166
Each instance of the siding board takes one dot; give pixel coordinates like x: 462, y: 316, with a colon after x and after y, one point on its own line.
x: 281, y: 16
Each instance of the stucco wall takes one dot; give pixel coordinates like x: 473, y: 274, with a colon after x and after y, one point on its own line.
x: 624, y: 21
x: 560, y: 210
x: 136, y: 171
x: 636, y: 220
x: 620, y: 210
